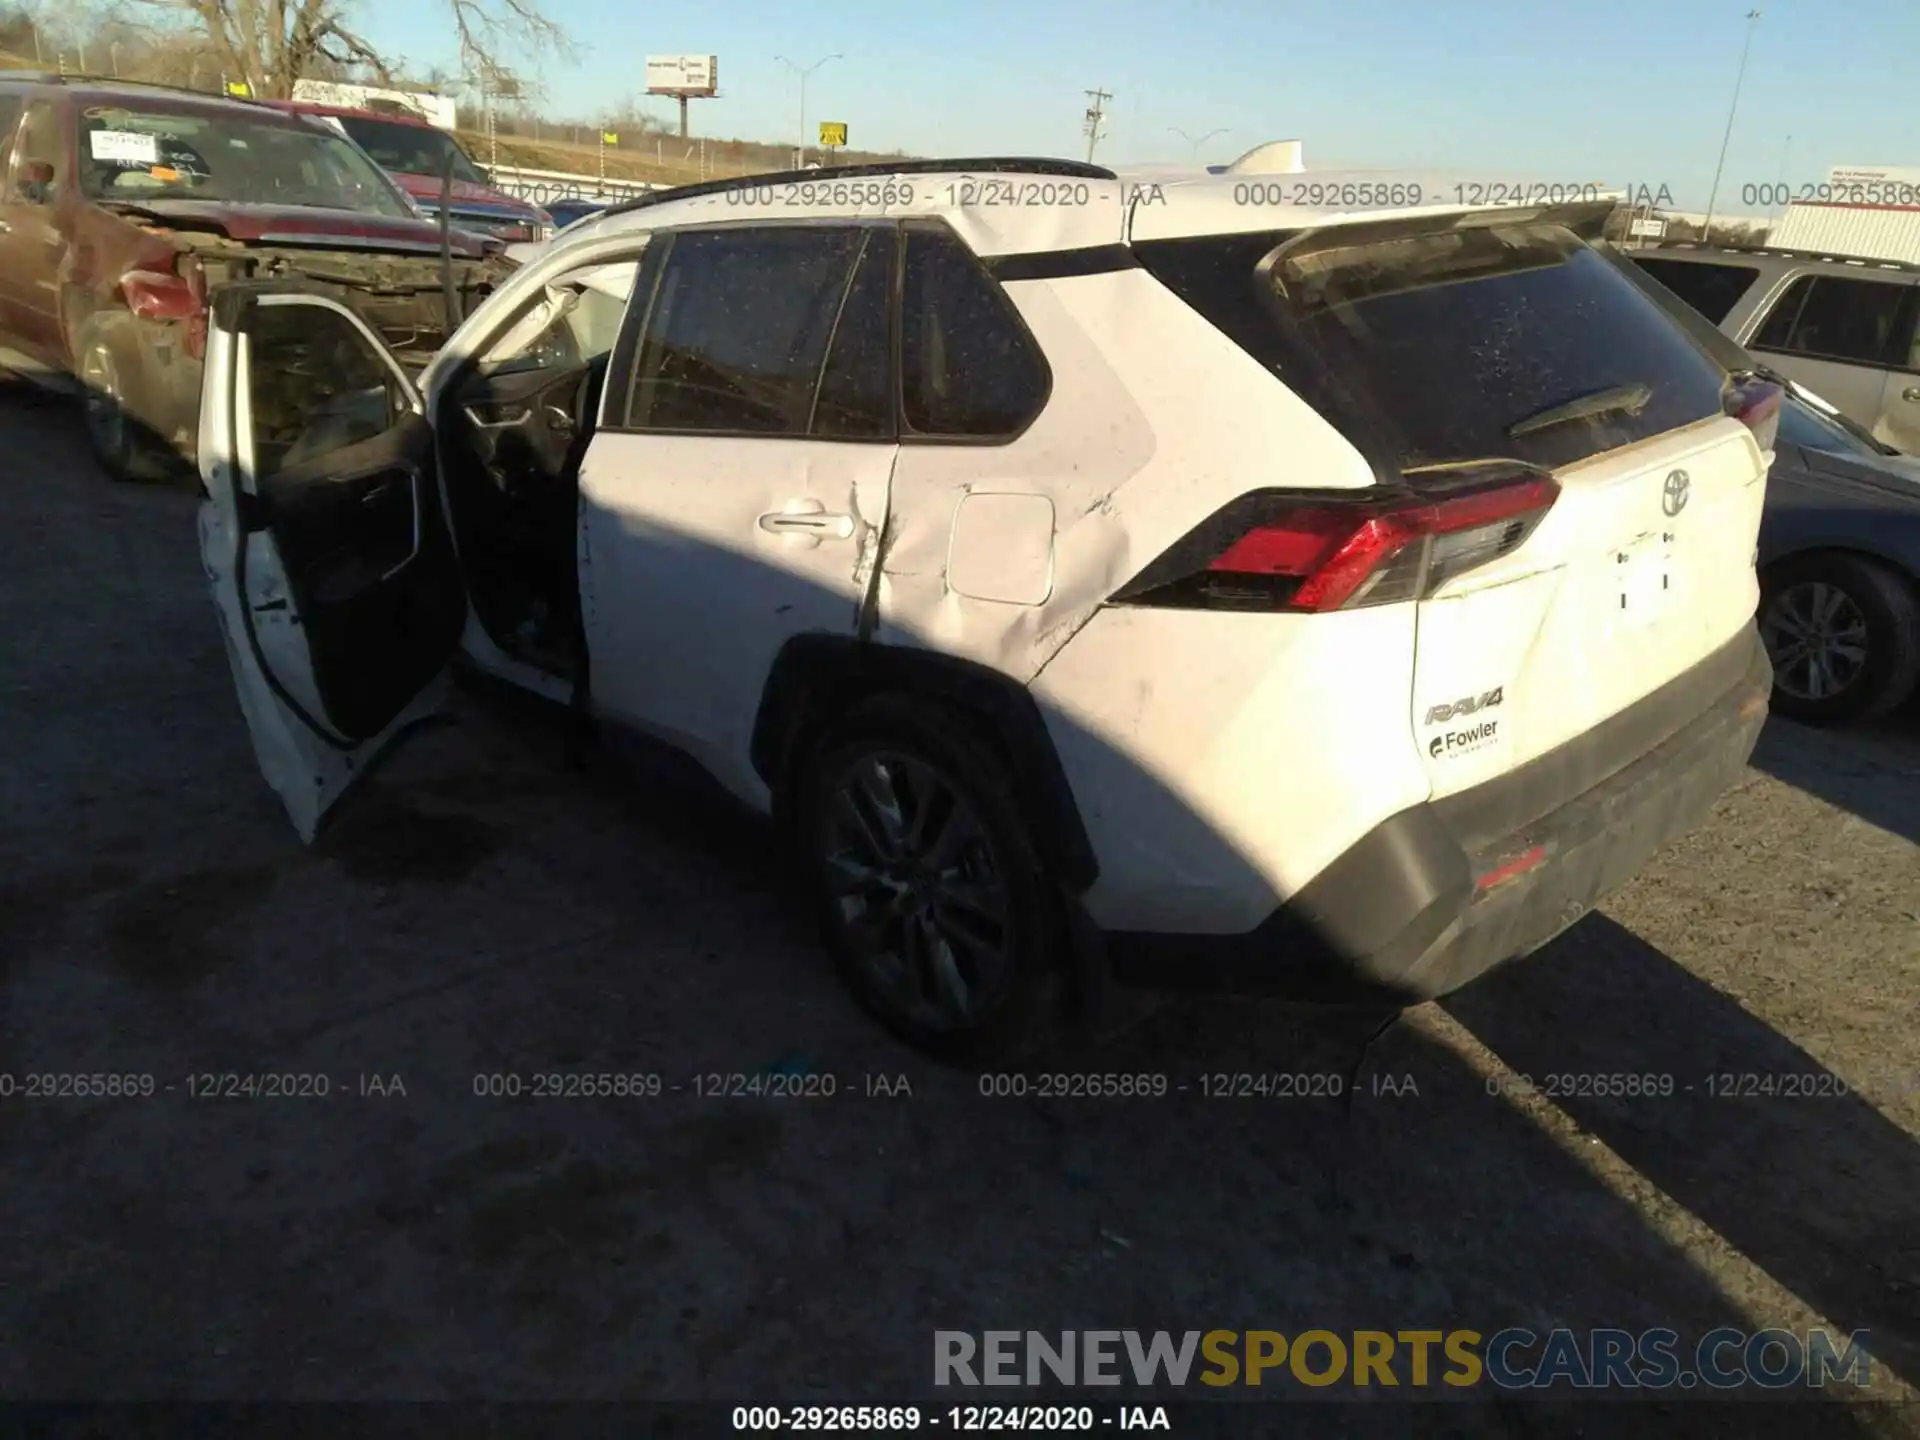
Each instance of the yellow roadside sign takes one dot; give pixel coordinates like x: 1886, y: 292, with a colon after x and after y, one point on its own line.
x: 833, y: 134
x: 240, y: 88
x: 607, y: 137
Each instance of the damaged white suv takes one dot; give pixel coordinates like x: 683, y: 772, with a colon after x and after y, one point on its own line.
x: 1193, y: 583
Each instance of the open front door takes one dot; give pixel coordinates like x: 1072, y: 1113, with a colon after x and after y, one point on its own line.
x: 339, y: 592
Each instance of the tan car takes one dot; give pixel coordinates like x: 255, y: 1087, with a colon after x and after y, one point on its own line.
x: 1844, y: 328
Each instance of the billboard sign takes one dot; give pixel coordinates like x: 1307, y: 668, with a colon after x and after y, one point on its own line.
x: 683, y: 74
x: 1881, y: 176
x: 1648, y: 229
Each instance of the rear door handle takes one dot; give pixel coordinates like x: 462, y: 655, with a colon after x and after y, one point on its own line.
x: 808, y: 519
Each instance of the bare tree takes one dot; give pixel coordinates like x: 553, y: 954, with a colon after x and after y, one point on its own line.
x: 491, y: 30
x: 272, y: 43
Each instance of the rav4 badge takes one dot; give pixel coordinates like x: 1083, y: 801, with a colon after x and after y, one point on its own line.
x: 1440, y: 714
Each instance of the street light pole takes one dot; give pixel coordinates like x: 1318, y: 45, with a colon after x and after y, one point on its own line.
x: 1196, y: 144
x: 803, y: 73
x: 1706, y: 230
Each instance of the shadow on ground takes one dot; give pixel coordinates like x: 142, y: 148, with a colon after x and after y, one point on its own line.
x: 577, y: 919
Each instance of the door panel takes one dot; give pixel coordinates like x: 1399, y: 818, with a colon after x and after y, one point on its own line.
x: 31, y: 245
x: 704, y: 557
x: 1900, y: 412
x: 1843, y: 338
x: 522, y: 427
x: 1899, y: 423
x: 323, y: 539
x: 726, y: 506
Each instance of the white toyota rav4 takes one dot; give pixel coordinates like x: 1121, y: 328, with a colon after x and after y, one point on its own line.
x: 1193, y: 583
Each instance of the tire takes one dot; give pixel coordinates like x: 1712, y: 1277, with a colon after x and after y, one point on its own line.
x: 983, y: 884
x: 1843, y: 632
x: 110, y: 366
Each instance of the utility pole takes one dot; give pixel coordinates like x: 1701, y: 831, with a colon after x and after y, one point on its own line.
x: 1096, y: 116
x: 1706, y: 230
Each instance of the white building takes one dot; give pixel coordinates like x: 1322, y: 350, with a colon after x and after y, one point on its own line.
x: 1866, y: 211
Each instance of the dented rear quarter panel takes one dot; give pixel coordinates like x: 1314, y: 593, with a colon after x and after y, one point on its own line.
x: 1191, y: 789
x: 1155, y: 420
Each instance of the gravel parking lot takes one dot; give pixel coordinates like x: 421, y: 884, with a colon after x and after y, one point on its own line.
x: 492, y: 905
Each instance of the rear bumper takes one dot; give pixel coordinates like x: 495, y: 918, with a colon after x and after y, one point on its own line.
x: 1439, y: 894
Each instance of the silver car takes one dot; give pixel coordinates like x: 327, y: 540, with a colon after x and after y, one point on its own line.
x: 1847, y: 328
x: 1839, y: 567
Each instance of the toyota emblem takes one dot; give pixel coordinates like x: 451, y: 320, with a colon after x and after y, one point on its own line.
x: 1673, y: 496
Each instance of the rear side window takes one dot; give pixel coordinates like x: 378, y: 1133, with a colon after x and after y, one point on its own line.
x: 737, y: 332
x: 1711, y: 289
x: 969, y: 369
x: 1833, y: 317
x: 1428, y: 346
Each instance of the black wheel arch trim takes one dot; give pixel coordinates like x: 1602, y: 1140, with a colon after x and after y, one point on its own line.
x: 814, y: 676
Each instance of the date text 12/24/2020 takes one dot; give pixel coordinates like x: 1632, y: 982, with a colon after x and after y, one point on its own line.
x: 905, y: 1419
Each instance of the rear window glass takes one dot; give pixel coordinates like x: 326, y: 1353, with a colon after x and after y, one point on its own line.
x: 1713, y: 290
x: 1517, y: 342
x: 403, y: 149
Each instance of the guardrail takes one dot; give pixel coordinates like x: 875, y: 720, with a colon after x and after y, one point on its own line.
x: 543, y: 187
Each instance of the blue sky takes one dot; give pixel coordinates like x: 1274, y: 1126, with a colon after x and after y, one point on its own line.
x: 1631, y: 92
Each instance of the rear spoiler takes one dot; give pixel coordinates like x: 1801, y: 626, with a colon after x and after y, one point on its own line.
x: 1586, y: 218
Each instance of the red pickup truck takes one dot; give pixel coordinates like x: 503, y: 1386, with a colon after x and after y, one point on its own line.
x: 415, y: 153
x: 124, y: 205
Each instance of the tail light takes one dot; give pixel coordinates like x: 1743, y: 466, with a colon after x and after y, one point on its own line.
x: 1755, y: 403
x: 163, y: 295
x: 1271, y: 551
x: 156, y: 295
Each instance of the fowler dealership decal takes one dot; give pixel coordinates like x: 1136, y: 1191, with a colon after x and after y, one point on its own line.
x: 1476, y: 737
x: 1455, y: 742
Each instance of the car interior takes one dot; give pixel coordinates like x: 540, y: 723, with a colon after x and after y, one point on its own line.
x: 511, y: 461
x: 321, y: 398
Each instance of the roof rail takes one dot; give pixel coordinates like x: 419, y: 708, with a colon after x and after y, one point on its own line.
x: 1778, y: 252
x: 1004, y: 165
